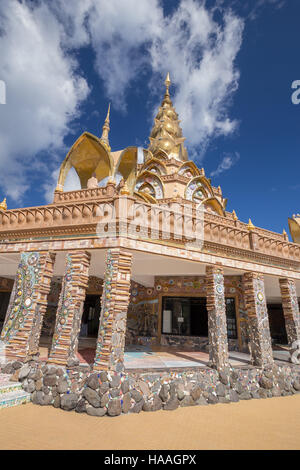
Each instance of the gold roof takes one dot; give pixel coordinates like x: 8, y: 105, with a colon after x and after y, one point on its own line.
x: 294, y: 226
x: 166, y: 133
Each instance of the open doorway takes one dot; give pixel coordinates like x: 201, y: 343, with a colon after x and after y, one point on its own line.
x: 90, y: 317
x: 4, y: 301
x: 187, y: 316
x: 277, y: 324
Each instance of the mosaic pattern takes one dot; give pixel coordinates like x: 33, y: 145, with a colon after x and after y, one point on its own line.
x: 290, y: 309
x: 152, y: 182
x: 70, y: 307
x: 195, y: 191
x: 217, y: 325
x: 115, y: 300
x: 28, y: 303
x: 259, y: 329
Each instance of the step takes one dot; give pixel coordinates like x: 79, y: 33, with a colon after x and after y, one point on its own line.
x: 6, y: 386
x: 14, y: 398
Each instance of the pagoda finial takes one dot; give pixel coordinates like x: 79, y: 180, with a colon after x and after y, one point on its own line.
x: 168, y: 82
x: 250, y: 225
x: 105, y: 130
x: 166, y: 134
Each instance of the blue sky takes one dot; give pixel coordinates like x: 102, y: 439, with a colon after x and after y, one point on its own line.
x: 232, y: 64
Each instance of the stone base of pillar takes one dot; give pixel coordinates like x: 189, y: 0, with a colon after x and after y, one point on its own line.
x: 27, y: 306
x: 69, y: 312
x: 115, y: 300
x: 290, y: 309
x: 258, y: 321
x: 217, y: 326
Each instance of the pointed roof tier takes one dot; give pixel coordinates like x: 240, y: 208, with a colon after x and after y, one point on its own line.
x: 166, y: 134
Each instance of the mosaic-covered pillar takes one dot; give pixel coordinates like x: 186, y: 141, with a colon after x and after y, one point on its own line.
x: 258, y: 320
x: 290, y: 309
x: 28, y: 302
x: 69, y: 311
x: 217, y: 326
x: 115, y: 300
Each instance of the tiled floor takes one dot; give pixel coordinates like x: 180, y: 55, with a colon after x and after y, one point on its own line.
x: 144, y: 357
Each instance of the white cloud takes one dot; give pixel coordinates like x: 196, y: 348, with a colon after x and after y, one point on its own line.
x: 129, y: 38
x: 226, y: 163
x: 260, y: 4
x: 43, y: 91
x: 134, y: 37
x: 200, y: 55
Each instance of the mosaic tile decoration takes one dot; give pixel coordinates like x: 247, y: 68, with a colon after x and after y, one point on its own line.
x: 259, y: 328
x: 28, y: 303
x: 217, y: 325
x: 115, y: 300
x: 68, y: 318
x: 290, y: 309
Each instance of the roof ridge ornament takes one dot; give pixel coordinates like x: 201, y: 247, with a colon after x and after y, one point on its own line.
x: 3, y: 205
x: 250, y: 225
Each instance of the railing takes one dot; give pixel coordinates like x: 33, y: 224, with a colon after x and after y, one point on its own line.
x: 92, y: 210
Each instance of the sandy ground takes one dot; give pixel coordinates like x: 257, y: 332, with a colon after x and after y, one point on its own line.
x: 255, y: 424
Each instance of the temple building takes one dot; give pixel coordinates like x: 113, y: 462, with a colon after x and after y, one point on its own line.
x: 145, y: 253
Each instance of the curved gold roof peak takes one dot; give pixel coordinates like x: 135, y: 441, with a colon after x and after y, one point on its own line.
x: 84, y: 156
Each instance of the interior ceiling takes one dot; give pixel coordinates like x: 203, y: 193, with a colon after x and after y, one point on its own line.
x: 145, y: 267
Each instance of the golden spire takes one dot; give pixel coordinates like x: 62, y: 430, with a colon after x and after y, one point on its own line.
x: 3, y: 205
x: 105, y: 131
x: 168, y: 84
x: 166, y: 134
x: 234, y: 216
x: 250, y: 225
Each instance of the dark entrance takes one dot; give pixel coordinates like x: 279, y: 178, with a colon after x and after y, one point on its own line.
x: 4, y: 301
x: 187, y: 316
x: 277, y: 324
x: 90, y: 316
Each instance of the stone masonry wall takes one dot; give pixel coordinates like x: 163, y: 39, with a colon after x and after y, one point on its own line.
x: 111, y: 393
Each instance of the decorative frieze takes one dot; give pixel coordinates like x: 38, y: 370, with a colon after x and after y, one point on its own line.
x: 258, y: 321
x: 216, y: 308
x: 28, y: 303
x: 68, y: 318
x: 115, y: 300
x: 290, y: 309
